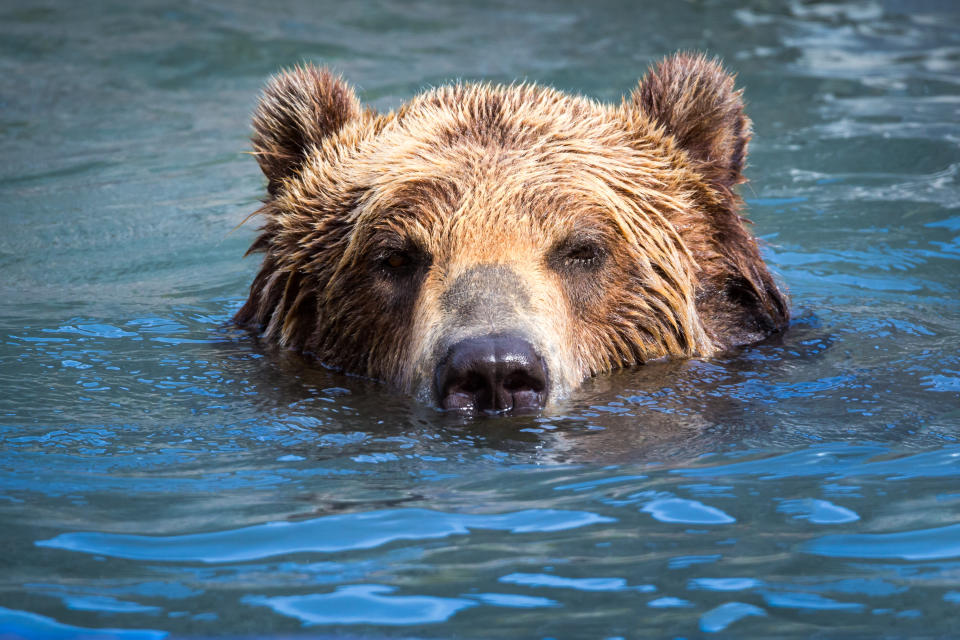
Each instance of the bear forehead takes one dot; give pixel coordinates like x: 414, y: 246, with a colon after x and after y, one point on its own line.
x: 521, y: 114
x: 532, y: 150
x: 474, y: 124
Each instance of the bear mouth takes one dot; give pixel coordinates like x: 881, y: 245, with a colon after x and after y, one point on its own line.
x: 494, y: 373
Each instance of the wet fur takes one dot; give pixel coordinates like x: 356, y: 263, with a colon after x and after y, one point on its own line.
x: 508, y: 180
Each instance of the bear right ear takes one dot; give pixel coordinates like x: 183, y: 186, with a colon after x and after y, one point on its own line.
x: 298, y: 109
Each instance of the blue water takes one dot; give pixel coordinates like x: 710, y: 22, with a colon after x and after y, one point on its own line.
x: 165, y: 475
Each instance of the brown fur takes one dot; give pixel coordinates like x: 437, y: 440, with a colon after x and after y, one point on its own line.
x: 606, y: 235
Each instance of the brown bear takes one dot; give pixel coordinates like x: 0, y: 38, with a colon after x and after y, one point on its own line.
x: 487, y: 248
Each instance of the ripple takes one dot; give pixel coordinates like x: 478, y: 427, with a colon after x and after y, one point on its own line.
x: 599, y: 482
x: 682, y: 562
x: 363, y: 604
x: 23, y: 624
x: 669, y: 603
x: 922, y: 544
x: 94, y: 330
x: 838, y: 461
x: 818, y: 511
x: 106, y: 603
x: 329, y: 534
x: 686, y: 511
x: 514, y: 601
x: 724, y: 584
x: 580, y: 584
x: 809, y: 601
x: 726, y: 614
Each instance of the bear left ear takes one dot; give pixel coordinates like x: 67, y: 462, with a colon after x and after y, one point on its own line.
x: 298, y: 109
x: 693, y: 99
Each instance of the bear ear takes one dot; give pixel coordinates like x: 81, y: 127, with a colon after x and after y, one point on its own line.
x: 693, y: 99
x: 298, y: 109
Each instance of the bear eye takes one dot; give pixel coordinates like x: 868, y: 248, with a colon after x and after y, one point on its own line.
x: 581, y: 254
x: 398, y: 259
x: 400, y: 263
x: 578, y: 254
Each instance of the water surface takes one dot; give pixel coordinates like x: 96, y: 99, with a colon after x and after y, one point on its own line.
x: 163, y: 474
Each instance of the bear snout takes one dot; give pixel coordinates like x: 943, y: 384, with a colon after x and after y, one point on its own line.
x: 496, y: 372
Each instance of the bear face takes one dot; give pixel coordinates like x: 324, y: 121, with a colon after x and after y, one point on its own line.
x: 489, y: 247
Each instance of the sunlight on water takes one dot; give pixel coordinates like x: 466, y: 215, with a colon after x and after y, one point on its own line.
x: 164, y: 474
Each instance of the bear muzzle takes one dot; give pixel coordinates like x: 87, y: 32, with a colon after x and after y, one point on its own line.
x: 492, y: 373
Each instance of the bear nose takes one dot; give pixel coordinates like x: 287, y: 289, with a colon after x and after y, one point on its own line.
x: 492, y: 373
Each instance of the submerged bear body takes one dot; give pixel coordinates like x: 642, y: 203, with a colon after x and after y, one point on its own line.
x: 490, y: 247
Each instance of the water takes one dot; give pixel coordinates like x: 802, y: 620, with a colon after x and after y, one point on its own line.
x: 164, y: 474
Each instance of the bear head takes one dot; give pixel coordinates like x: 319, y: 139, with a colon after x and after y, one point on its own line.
x: 490, y: 247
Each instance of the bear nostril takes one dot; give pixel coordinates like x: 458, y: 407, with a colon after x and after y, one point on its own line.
x: 473, y: 383
x: 522, y: 381
x: 492, y: 373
